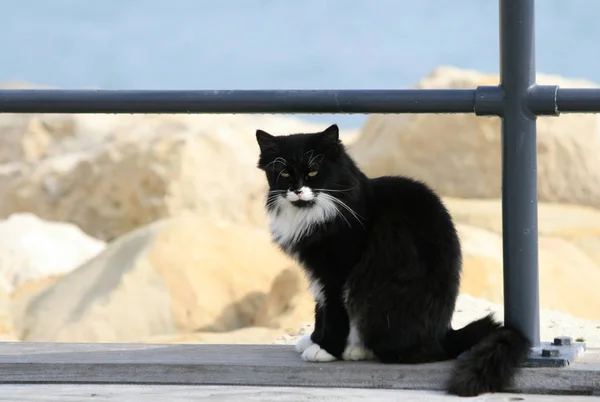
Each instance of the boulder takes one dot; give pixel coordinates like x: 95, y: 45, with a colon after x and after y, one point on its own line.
x: 26, y: 137
x: 155, y: 171
x: 32, y: 249
x: 174, y: 276
x: 567, y: 275
x: 288, y: 303
x: 112, y: 174
x: 576, y: 224
x: 6, y: 325
x: 553, y: 218
x: 459, y: 155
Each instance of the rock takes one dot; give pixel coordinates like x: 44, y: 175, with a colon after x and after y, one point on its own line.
x: 459, y: 155
x: 112, y: 174
x: 585, y: 239
x: 6, y: 326
x: 579, y: 225
x: 288, y: 303
x: 553, y: 219
x: 26, y: 137
x: 562, y: 288
x: 156, y: 172
x: 174, y: 276
x: 33, y: 249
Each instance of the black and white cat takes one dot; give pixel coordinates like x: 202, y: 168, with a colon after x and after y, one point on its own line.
x: 383, y: 259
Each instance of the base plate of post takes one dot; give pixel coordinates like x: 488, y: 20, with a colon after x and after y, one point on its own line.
x: 559, y: 353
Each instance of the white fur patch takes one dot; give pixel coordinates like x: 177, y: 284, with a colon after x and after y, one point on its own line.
x: 355, y: 349
x: 354, y: 346
x: 354, y: 335
x: 314, y: 353
x: 304, y: 343
x: 289, y: 223
x: 317, y: 290
x: 356, y: 353
x: 306, y: 195
x: 345, y: 292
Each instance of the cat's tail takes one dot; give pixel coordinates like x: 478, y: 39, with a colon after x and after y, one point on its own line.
x: 494, y: 355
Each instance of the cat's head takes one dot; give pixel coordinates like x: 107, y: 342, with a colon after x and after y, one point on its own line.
x: 300, y: 168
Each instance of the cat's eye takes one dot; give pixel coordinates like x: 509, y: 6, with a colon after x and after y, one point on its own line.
x: 284, y: 174
x: 313, y: 173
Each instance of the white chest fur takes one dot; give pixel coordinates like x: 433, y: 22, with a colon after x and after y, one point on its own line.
x: 289, y: 223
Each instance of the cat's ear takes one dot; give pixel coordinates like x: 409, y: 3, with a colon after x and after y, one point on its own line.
x: 332, y: 134
x: 330, y: 138
x: 266, y: 141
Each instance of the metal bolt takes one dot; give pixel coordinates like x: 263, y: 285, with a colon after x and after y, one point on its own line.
x: 550, y: 352
x: 563, y: 341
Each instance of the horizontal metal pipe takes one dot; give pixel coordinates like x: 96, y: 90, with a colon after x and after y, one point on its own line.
x: 578, y: 100
x: 542, y: 100
x: 238, y: 101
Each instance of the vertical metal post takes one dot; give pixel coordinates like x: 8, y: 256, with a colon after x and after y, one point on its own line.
x: 519, y: 169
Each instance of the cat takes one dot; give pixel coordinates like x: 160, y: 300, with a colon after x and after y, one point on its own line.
x: 383, y: 259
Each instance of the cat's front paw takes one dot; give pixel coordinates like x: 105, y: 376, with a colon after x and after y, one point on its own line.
x: 356, y: 353
x: 314, y: 353
x: 304, y: 343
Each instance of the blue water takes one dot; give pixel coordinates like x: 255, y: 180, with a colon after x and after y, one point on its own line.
x: 276, y: 44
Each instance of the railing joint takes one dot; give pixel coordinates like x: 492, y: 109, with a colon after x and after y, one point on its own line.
x: 542, y: 100
x: 489, y: 101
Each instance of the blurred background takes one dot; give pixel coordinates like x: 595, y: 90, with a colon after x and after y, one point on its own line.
x: 151, y: 228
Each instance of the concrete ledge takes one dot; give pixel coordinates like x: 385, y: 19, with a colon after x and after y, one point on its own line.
x: 253, y: 365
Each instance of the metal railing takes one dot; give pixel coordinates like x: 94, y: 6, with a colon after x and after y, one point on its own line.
x: 517, y: 100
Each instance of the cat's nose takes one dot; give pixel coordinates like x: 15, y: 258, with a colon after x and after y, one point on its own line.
x: 298, y: 192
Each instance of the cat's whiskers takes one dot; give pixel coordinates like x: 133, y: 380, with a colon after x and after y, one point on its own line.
x: 270, y: 201
x: 276, y: 160
x: 335, y: 191
x: 339, y: 202
x: 339, y: 213
x: 312, y: 158
x: 273, y: 197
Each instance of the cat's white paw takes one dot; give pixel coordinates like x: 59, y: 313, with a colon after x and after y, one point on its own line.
x: 304, y: 343
x: 314, y: 353
x: 356, y: 352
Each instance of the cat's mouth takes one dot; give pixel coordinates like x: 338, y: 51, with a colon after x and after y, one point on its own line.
x: 304, y: 196
x: 303, y: 203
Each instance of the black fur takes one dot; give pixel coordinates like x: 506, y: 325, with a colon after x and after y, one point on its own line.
x: 389, y: 263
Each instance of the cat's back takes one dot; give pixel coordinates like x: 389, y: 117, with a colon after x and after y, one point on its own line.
x: 406, y: 201
x: 410, y: 223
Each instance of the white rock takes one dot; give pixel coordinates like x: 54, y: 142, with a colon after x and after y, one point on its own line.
x: 32, y: 248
